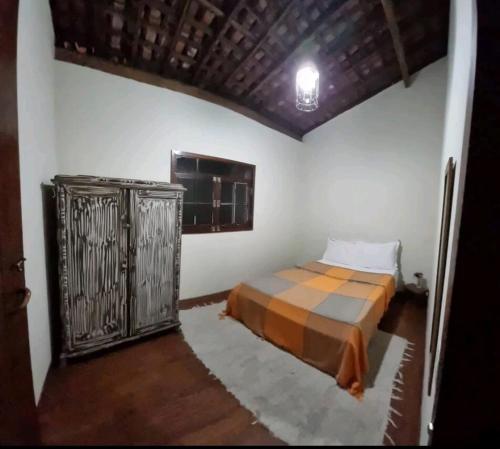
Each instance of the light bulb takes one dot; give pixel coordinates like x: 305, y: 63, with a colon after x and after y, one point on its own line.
x: 307, y: 88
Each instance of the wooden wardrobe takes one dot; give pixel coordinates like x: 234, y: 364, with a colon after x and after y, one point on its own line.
x: 119, y: 244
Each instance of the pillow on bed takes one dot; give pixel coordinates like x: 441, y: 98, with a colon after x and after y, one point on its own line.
x: 382, y: 256
x: 359, y: 255
x: 340, y: 252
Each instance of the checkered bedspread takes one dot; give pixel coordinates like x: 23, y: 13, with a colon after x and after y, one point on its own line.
x: 322, y: 314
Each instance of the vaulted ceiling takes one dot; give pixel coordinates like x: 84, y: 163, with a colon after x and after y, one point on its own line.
x: 244, y: 54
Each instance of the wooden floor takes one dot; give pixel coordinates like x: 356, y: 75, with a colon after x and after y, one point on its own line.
x: 158, y: 392
x: 406, y: 317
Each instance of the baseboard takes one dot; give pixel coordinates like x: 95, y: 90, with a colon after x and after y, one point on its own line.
x: 205, y: 300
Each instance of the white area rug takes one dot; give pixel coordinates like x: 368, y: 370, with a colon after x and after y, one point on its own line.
x: 296, y: 402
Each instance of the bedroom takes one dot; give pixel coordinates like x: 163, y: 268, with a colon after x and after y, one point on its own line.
x: 141, y: 90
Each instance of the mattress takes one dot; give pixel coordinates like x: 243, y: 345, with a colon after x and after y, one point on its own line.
x: 322, y: 314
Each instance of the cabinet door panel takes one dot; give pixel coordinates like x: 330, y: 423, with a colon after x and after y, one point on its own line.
x: 154, y: 239
x: 95, y: 248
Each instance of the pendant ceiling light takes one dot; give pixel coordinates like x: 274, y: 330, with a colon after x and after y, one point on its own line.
x: 307, y: 86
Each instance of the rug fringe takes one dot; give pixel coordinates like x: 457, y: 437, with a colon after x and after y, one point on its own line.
x: 390, y: 439
x: 393, y: 423
x: 393, y: 410
x: 396, y: 388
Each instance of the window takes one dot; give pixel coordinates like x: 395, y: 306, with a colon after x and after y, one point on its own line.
x: 219, y: 196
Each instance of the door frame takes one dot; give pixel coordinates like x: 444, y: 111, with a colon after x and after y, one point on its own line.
x: 466, y: 406
x: 18, y: 416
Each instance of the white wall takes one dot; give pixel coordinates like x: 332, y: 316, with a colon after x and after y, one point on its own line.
x: 372, y: 173
x: 461, y: 71
x: 35, y: 78
x: 112, y: 126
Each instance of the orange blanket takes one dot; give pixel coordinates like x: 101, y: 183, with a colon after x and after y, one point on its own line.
x: 322, y: 314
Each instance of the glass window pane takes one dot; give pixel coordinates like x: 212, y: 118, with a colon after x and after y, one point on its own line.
x: 241, y: 193
x: 198, y: 190
x: 204, y: 214
x: 227, y: 192
x: 186, y: 164
x: 241, y: 215
x: 204, y: 190
x: 197, y: 214
x: 226, y: 214
x: 189, y: 194
x: 216, y: 168
x: 188, y: 213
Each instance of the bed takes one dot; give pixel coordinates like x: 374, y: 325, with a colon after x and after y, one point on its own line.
x: 322, y: 313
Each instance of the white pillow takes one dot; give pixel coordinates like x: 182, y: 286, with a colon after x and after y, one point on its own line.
x: 340, y: 251
x: 382, y: 256
x: 359, y: 255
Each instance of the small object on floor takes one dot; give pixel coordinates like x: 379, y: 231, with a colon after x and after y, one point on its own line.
x: 418, y: 290
x: 419, y: 293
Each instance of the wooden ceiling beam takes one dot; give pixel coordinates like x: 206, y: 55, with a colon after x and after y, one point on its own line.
x: 305, y: 41
x: 191, y: 42
x: 353, y: 102
x: 218, y: 12
x: 171, y: 50
x: 159, y: 5
x: 137, y: 23
x: 338, y: 46
x: 201, y: 26
x: 215, y: 41
x: 272, y: 29
x: 104, y: 65
x: 392, y: 24
x: 137, y: 33
x: 377, y: 82
x: 229, y: 43
x: 253, y: 15
x: 246, y: 32
x: 381, y: 80
x: 332, y: 106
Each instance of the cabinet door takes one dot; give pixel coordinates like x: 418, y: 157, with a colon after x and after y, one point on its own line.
x: 154, y: 259
x: 93, y: 244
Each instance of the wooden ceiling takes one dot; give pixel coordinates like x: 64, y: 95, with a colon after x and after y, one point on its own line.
x: 244, y: 54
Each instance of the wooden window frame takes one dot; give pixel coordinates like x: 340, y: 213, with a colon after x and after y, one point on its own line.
x: 216, y: 226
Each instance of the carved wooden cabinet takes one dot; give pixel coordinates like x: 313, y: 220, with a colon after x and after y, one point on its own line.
x: 119, y: 259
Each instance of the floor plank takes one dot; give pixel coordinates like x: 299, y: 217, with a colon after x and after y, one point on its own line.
x: 407, y: 317
x: 157, y: 392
